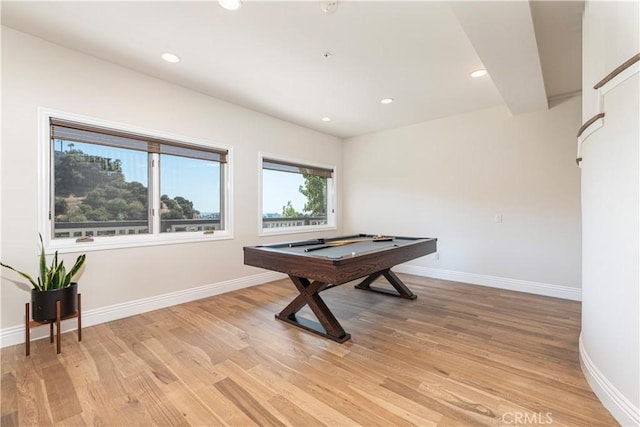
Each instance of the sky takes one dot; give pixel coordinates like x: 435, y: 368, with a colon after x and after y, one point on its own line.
x: 279, y: 188
x: 193, y: 179
x: 198, y: 180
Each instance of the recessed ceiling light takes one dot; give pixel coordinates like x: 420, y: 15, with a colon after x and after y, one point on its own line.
x: 386, y: 100
x: 230, y: 4
x: 326, y: 119
x: 170, y: 57
x: 478, y: 73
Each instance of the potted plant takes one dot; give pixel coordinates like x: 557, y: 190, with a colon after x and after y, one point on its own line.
x: 53, y: 284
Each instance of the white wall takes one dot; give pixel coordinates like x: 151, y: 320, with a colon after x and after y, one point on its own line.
x: 609, y: 37
x: 448, y: 179
x: 609, y: 347
x: 35, y: 74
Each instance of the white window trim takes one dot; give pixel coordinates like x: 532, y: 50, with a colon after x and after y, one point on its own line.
x: 331, y: 199
x: 45, y: 172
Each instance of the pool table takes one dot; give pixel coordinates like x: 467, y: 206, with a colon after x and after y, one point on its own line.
x: 319, y: 264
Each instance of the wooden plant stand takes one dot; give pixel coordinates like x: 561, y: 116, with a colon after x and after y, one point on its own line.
x: 33, y: 323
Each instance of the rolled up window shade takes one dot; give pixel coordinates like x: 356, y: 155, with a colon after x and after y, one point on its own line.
x: 80, y: 132
x: 284, y: 166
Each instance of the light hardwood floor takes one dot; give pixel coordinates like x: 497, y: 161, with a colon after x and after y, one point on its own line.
x: 458, y: 355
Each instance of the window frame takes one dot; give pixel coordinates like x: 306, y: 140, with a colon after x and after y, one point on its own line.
x: 331, y: 198
x: 46, y: 191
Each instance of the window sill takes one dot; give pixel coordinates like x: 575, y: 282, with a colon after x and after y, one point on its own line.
x: 275, y: 231
x: 125, y: 242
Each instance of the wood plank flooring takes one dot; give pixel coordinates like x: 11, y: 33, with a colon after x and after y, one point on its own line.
x: 459, y: 355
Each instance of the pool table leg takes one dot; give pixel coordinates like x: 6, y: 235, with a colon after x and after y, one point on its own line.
x: 400, y: 287
x: 329, y: 327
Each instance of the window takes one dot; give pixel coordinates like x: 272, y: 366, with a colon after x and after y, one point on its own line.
x: 113, y: 186
x: 296, y: 196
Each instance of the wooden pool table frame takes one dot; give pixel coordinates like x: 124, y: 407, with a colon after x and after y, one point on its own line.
x: 312, y: 274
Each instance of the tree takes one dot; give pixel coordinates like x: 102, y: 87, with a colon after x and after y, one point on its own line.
x: 315, y: 190
x: 187, y: 207
x: 77, y: 173
x: 116, y: 201
x: 93, y: 188
x: 178, y: 208
x: 289, y: 211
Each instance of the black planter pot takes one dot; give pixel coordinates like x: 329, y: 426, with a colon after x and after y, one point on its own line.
x: 43, y: 303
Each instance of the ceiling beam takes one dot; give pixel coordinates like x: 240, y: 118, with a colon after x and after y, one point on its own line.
x: 503, y: 36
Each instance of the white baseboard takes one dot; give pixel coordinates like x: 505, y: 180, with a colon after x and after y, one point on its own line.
x: 557, y: 291
x: 622, y: 409
x: 16, y: 334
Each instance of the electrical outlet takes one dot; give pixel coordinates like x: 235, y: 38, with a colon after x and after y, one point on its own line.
x: 498, y: 218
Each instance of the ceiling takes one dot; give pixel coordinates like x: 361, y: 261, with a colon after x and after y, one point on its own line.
x: 293, y: 61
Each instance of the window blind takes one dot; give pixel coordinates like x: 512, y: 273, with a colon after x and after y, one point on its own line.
x: 284, y: 166
x: 80, y: 132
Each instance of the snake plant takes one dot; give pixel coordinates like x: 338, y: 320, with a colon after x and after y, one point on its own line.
x: 54, y: 276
